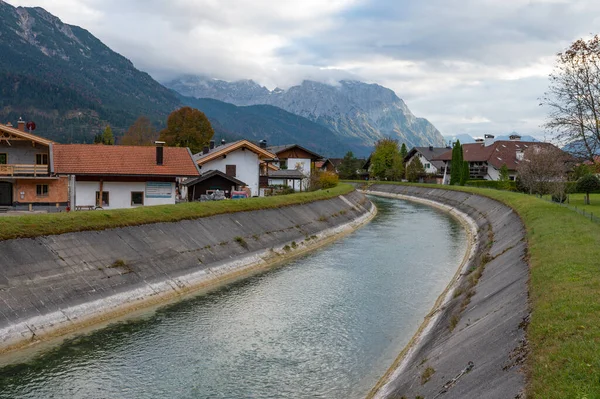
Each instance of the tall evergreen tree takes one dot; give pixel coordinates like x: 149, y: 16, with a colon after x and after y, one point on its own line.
x: 456, y: 163
x: 464, y: 172
x: 348, y: 166
x: 403, y: 151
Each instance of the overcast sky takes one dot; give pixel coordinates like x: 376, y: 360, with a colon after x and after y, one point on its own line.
x: 469, y: 66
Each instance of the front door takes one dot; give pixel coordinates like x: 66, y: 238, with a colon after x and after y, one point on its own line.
x: 5, y: 193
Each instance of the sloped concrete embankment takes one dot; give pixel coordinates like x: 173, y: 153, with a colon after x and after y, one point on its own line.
x: 473, y: 343
x: 53, y: 285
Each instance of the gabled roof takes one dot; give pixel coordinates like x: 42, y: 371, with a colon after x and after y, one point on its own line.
x: 277, y: 149
x: 7, y: 131
x: 212, y: 173
x: 496, y: 154
x: 201, y: 158
x: 429, y: 153
x: 320, y: 164
x: 121, y: 160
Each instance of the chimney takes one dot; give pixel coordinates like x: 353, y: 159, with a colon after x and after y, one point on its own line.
x: 211, y: 144
x: 21, y: 124
x: 223, y: 142
x: 205, y: 150
x: 519, y: 154
x: 479, y: 140
x: 263, y: 143
x: 514, y: 137
x: 488, y: 140
x: 159, y: 152
x: 8, y: 124
x: 430, y: 148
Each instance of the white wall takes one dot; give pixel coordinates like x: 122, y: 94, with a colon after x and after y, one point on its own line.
x: 493, y: 173
x: 119, y: 194
x: 431, y: 169
x: 302, y: 164
x: 247, y: 167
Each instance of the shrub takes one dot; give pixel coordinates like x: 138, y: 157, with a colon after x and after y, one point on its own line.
x: 498, y: 185
x: 323, y: 180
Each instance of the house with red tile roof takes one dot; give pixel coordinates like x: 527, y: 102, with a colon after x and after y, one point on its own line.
x: 113, y: 177
x: 26, y: 182
x: 486, y: 157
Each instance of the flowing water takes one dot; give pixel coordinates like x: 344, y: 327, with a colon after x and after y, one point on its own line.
x: 326, y: 325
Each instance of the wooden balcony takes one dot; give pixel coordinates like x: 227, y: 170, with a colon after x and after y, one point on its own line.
x: 24, y: 170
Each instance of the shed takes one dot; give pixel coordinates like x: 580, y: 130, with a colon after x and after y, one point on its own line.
x: 209, y: 181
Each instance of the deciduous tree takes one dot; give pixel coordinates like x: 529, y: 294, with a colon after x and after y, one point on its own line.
x: 543, y: 170
x: 573, y: 97
x: 187, y: 127
x: 415, y: 170
x: 386, y: 162
x: 107, y: 136
x: 140, y: 133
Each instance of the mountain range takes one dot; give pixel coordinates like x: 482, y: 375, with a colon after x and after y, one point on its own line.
x: 467, y: 138
x: 357, y: 113
x: 72, y: 85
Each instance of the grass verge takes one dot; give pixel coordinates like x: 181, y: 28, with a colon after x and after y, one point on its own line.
x: 564, y: 289
x: 29, y: 226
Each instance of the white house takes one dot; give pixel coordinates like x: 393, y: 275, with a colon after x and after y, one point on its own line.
x: 426, y: 155
x: 113, y: 177
x: 239, y: 159
x: 294, y: 157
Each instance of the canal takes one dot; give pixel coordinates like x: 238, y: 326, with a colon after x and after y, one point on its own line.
x: 326, y: 325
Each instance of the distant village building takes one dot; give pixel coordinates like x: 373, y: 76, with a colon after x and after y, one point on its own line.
x: 486, y: 157
x: 294, y: 157
x: 240, y: 159
x: 114, y: 177
x: 427, y: 156
x: 209, y: 183
x: 26, y: 181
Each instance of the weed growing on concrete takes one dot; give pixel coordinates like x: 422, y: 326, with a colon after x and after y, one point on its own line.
x: 287, y: 248
x: 343, y: 212
x: 322, y: 218
x: 223, y: 243
x: 314, y: 237
x: 454, y: 321
x: 294, y: 245
x: 118, y: 263
x: 429, y: 371
x: 256, y: 237
x: 241, y: 241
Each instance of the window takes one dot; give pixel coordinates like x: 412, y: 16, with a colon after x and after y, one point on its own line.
x: 427, y: 166
x: 137, y: 198
x: 230, y: 170
x: 105, y: 198
x: 283, y: 164
x: 41, y: 159
x: 3, y: 159
x: 41, y: 190
x: 511, y: 178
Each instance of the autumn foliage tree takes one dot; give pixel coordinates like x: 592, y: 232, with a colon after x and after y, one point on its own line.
x: 543, y: 170
x: 187, y: 127
x: 573, y: 97
x: 142, y: 132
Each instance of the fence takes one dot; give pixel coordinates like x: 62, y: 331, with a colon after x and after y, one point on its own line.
x: 583, y: 212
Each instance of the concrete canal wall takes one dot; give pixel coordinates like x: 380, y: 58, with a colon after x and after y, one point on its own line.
x: 50, y: 286
x: 473, y: 343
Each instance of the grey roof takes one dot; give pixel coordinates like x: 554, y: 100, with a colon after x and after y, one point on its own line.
x: 276, y: 149
x: 294, y: 174
x: 211, y: 173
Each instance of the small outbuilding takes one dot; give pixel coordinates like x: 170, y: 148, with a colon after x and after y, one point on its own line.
x: 209, y: 182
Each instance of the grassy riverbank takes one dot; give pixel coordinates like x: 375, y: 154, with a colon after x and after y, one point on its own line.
x: 35, y: 225
x: 564, y: 333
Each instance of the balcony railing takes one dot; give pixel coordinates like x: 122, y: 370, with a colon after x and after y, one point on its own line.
x: 24, y: 170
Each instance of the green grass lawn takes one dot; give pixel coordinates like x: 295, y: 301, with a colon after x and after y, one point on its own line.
x: 57, y: 223
x: 564, y: 259
x: 577, y: 200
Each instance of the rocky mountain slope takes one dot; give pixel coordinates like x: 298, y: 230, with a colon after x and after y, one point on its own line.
x: 68, y: 81
x: 357, y: 112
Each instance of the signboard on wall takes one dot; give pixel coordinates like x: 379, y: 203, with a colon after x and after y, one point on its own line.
x: 159, y: 189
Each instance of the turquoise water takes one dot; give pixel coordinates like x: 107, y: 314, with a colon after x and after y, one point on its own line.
x: 326, y: 325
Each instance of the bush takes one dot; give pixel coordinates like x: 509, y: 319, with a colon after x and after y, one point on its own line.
x: 498, y: 185
x: 322, y: 180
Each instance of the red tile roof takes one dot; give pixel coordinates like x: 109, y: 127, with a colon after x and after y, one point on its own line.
x: 497, y: 154
x: 97, y: 159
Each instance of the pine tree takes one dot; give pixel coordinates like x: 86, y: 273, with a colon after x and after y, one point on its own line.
x: 415, y: 170
x: 348, y: 166
x: 403, y: 151
x: 464, y: 173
